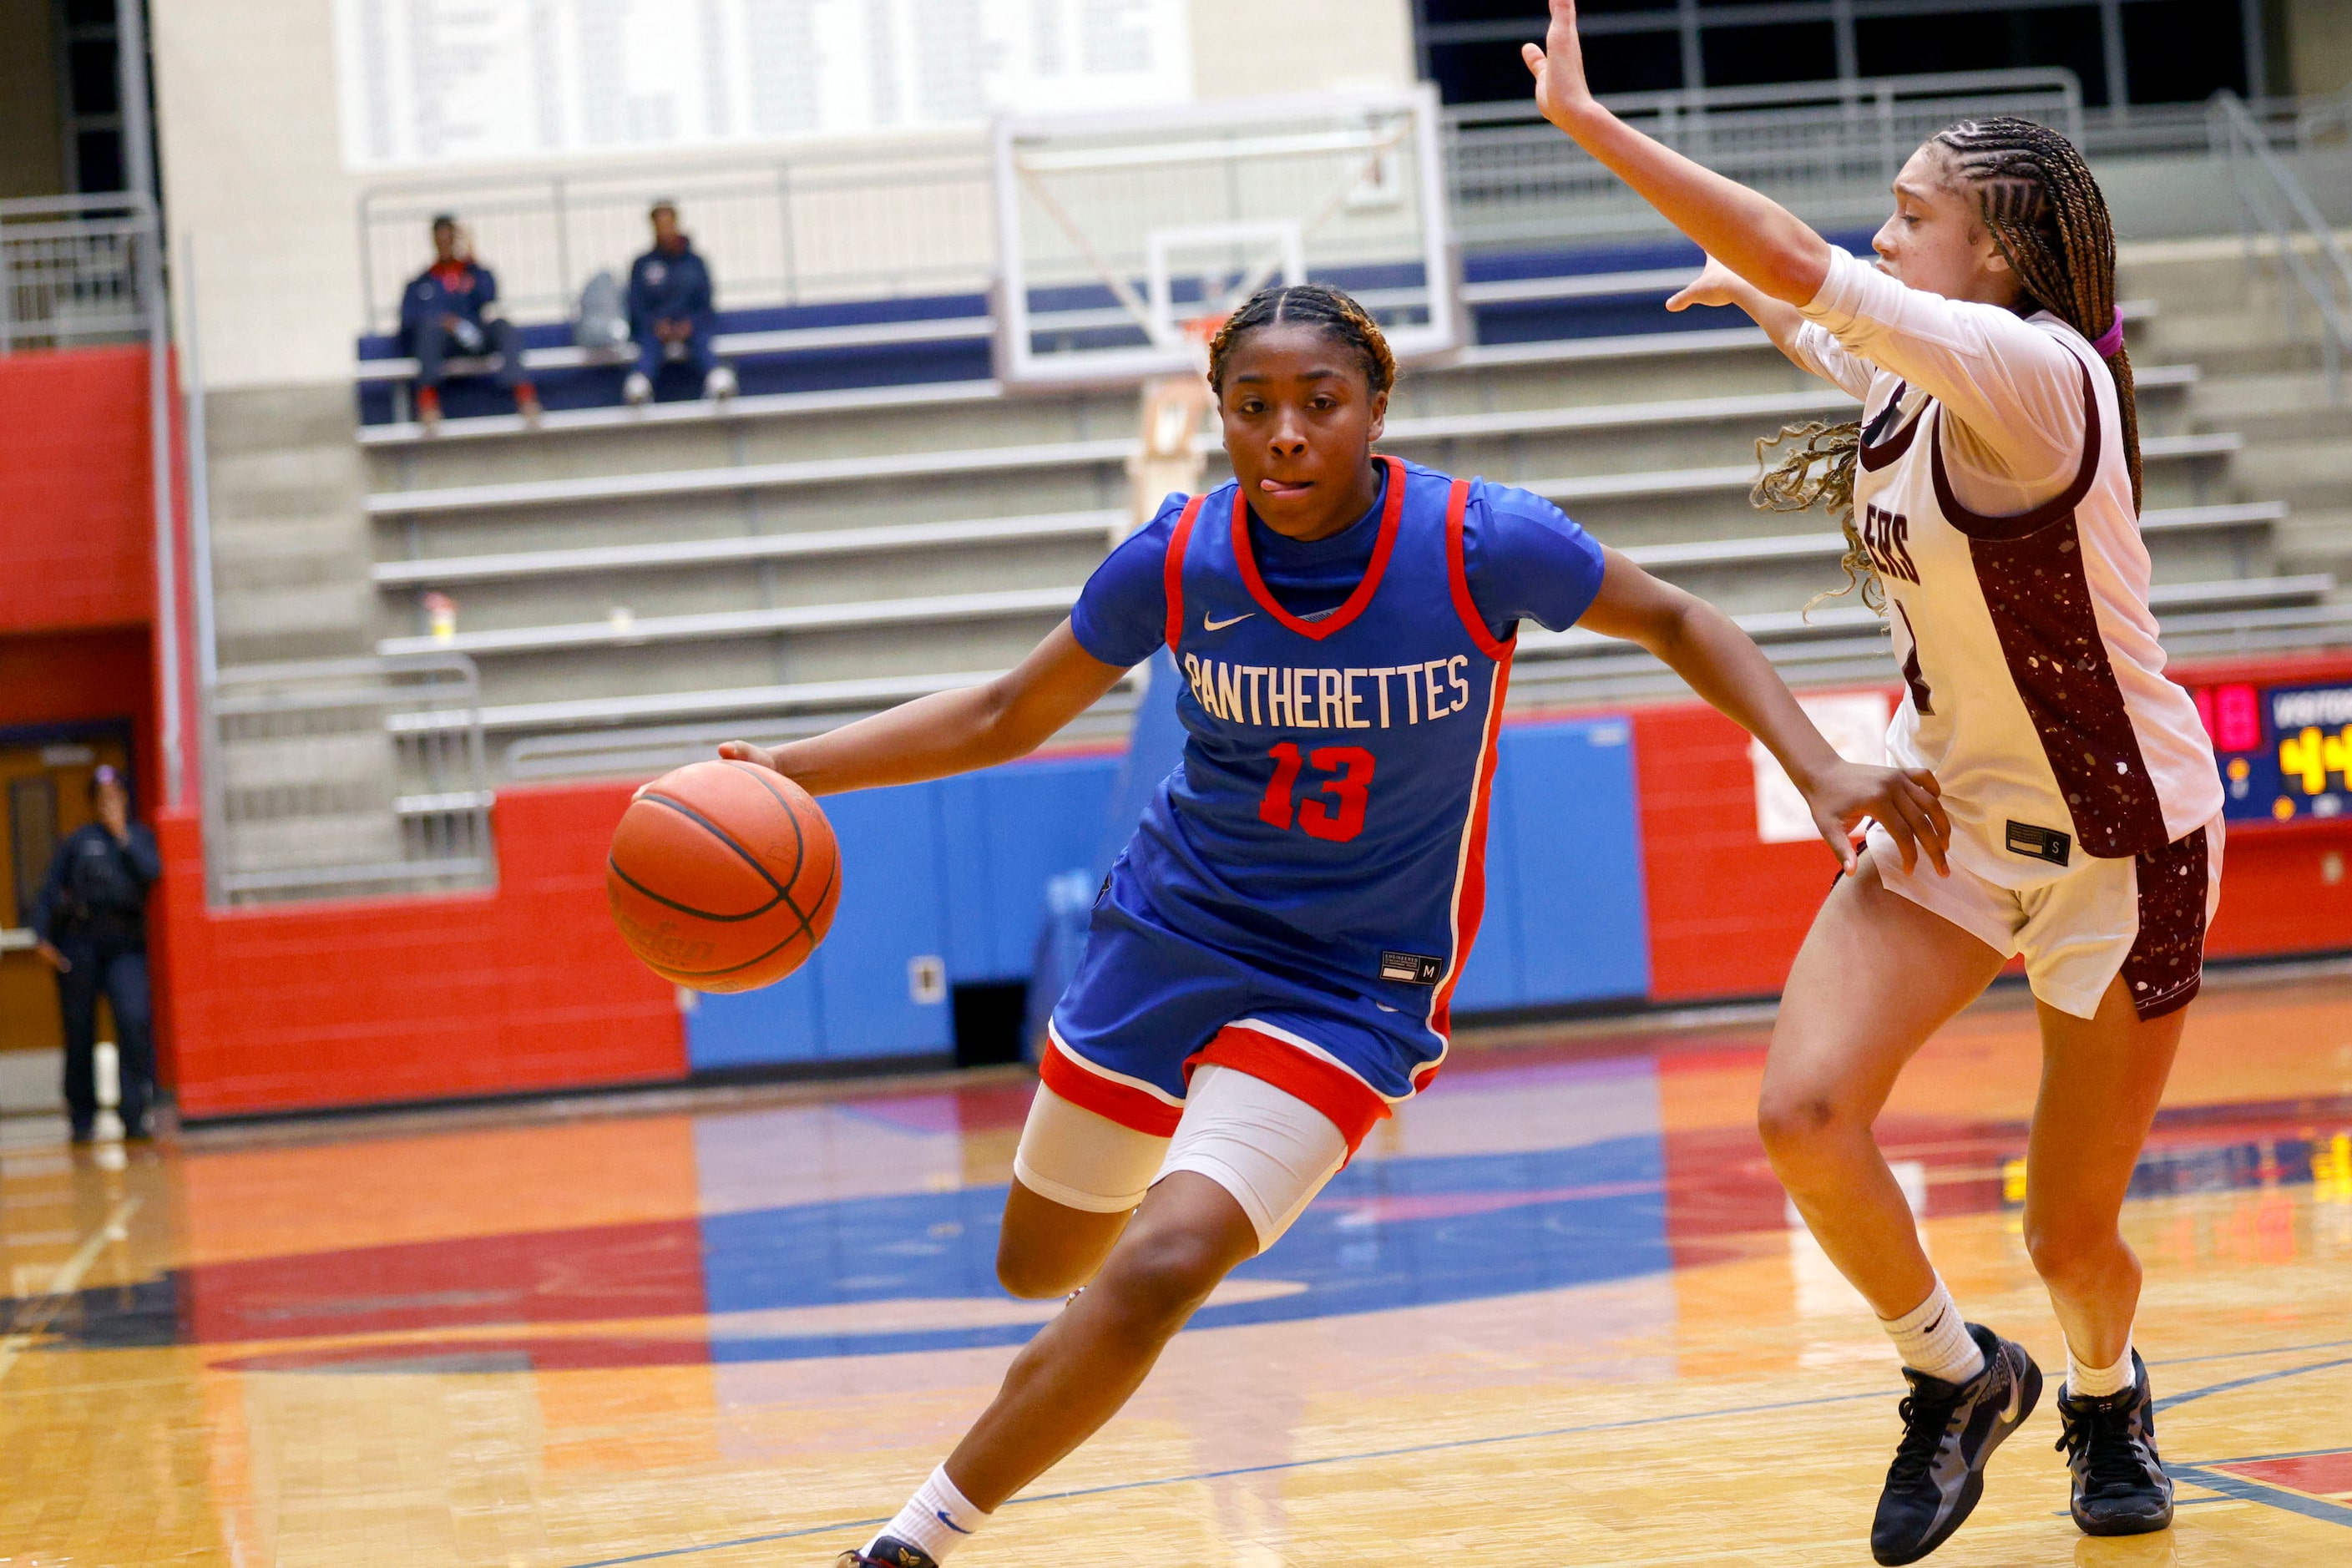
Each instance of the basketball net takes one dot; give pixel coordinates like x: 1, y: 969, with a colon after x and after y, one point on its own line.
x: 1169, y: 454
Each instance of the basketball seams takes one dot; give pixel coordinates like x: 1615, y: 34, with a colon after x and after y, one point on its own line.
x: 800, y: 843
x: 724, y: 837
x: 614, y: 867
x: 705, y: 805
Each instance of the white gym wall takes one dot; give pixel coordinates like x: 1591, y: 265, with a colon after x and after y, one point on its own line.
x: 257, y: 158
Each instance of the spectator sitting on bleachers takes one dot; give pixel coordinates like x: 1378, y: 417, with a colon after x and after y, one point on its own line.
x: 451, y: 308
x: 670, y: 312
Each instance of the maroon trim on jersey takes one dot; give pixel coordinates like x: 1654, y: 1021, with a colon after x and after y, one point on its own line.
x: 1392, y: 510
x: 1457, y: 574
x: 2167, y: 962
x: 1877, y: 457
x: 2030, y: 569
x: 1171, y: 570
x: 2058, y: 508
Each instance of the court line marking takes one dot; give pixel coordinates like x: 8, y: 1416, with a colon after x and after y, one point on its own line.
x: 63, y: 1282
x: 2249, y: 1491
x: 2246, y: 1491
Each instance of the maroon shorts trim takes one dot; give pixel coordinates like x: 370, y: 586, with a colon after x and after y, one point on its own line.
x: 2165, y: 964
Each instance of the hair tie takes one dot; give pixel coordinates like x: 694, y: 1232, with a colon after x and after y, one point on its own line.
x: 2112, y: 343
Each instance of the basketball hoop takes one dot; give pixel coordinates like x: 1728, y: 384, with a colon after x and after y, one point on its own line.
x: 1200, y: 332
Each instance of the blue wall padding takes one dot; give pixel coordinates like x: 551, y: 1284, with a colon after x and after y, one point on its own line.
x: 1007, y: 833
x: 1155, y: 745
x: 959, y: 869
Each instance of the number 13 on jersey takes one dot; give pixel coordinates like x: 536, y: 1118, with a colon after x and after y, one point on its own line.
x: 1350, y: 791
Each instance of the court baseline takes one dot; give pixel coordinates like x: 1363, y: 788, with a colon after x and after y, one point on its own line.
x: 2250, y: 1492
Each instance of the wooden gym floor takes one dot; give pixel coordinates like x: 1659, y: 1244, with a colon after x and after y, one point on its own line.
x: 1557, y: 1314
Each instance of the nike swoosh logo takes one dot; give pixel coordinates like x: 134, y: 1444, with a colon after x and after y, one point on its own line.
x: 2016, y: 1397
x: 1208, y: 625
x: 951, y: 1524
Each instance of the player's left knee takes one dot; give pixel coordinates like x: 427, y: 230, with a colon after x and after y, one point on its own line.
x: 2066, y: 1250
x: 1165, y: 1276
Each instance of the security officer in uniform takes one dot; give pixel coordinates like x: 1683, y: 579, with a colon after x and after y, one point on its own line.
x: 90, y: 923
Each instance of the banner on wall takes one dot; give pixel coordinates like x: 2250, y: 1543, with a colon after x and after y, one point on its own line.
x: 1854, y: 723
x: 429, y: 82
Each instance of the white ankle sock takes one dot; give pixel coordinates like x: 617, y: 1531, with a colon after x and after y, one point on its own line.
x: 1932, y: 1338
x: 936, y: 1519
x: 2098, y: 1381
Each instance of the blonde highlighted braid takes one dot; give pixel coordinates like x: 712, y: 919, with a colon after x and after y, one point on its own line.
x: 1314, y: 304
x: 2037, y: 198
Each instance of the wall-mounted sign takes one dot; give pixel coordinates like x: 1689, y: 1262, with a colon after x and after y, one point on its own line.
x: 446, y: 81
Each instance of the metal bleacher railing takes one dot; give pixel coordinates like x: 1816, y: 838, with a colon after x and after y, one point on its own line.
x: 2274, y: 208
x: 830, y: 225
x: 1829, y: 147
x: 315, y: 789
x: 71, y: 271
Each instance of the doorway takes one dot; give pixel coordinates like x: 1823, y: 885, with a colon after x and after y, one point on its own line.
x: 45, y: 777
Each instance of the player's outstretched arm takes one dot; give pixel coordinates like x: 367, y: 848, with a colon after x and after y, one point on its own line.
x: 948, y: 731
x: 1699, y: 643
x: 1753, y: 236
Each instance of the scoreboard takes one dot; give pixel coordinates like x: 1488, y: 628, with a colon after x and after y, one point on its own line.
x: 2285, y: 752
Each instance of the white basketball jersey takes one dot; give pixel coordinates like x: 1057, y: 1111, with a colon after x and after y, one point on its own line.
x: 2036, y: 685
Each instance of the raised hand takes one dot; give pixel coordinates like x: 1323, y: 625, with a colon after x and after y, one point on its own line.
x: 1715, y: 284
x: 1558, y: 68
x: 1907, y: 803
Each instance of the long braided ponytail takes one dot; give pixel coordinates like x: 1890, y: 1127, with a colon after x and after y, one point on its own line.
x: 2044, y: 210
x: 2037, y: 198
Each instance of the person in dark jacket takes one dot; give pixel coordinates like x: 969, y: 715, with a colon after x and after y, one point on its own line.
x: 670, y: 312
x: 90, y: 922
x: 452, y: 307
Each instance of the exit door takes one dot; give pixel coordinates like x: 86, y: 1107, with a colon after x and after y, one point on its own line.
x: 44, y: 796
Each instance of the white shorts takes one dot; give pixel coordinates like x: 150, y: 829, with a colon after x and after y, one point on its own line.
x: 2142, y: 917
x: 1271, y: 1150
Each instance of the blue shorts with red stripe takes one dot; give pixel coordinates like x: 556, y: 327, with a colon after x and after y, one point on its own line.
x: 1149, y: 1005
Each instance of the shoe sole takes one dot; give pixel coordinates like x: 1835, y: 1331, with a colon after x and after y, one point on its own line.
x: 1973, y: 1490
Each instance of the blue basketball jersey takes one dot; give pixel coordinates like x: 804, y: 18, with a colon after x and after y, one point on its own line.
x: 1328, y: 820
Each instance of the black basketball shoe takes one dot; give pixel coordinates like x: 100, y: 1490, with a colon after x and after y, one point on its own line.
x: 889, y: 1552
x: 2120, y: 1487
x: 1950, y: 1430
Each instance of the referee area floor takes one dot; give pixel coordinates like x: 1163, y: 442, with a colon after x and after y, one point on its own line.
x: 1556, y: 1314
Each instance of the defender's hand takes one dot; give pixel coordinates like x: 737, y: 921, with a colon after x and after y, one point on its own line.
x: 1715, y: 284
x: 56, y: 960
x: 1558, y: 66
x: 1907, y: 803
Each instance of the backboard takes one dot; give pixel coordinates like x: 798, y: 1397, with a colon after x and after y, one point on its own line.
x: 1114, y: 230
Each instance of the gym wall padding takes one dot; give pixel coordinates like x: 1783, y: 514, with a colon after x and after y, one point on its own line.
x: 1564, y: 920
x: 1624, y: 864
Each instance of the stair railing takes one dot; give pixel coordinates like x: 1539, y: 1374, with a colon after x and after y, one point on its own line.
x: 2273, y: 206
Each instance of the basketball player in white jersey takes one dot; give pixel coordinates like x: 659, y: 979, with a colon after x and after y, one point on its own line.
x: 1995, y: 487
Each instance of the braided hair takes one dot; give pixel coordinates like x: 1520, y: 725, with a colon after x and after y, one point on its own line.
x: 2037, y: 198
x: 1307, y: 304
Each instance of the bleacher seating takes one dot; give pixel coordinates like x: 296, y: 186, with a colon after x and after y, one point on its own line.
x: 857, y: 528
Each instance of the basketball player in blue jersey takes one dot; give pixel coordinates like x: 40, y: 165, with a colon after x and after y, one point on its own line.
x: 1270, y: 963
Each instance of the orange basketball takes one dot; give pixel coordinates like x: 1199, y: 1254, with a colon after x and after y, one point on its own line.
x: 723, y: 876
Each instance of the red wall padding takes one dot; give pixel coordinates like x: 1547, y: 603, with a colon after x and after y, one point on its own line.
x: 77, y: 492
x: 1727, y: 912
x: 524, y: 987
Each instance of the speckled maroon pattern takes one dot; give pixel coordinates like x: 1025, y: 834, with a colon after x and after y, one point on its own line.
x: 2041, y: 608
x: 2167, y: 963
